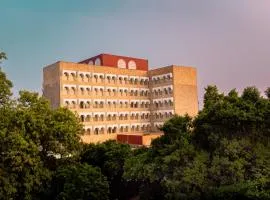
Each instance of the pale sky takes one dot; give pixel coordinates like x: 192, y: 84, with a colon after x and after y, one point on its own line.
x: 228, y: 41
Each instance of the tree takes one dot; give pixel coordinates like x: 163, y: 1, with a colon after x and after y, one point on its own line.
x: 172, y: 168
x: 22, y: 171
x: 251, y: 94
x: 222, y: 154
x: 57, y: 131
x: 233, y: 116
x: 5, y: 84
x: 110, y: 157
x: 80, y: 181
x: 211, y: 96
x: 267, y: 92
x: 32, y: 137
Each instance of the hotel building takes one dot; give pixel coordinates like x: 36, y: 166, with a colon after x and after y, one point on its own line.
x: 118, y: 97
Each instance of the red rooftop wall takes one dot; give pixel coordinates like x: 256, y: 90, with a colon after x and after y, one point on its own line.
x: 111, y: 61
x: 130, y: 139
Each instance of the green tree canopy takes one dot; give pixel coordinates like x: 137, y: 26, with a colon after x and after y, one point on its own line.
x: 32, y: 138
x: 5, y: 84
x: 267, y: 92
x: 223, y: 153
x: 110, y: 158
x: 80, y: 181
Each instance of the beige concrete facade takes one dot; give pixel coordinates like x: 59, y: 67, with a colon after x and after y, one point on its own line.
x: 111, y: 101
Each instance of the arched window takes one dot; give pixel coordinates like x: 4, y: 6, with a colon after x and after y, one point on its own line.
x: 114, y: 79
x: 121, y: 64
x: 121, y: 104
x: 98, y: 61
x: 102, y: 130
x: 88, y: 118
x: 73, y: 75
x: 88, y: 104
x: 90, y: 62
x: 132, y: 65
x: 88, y: 91
x: 73, y: 104
x: 126, y: 117
x: 66, y: 76
x: 121, y: 129
x: 81, y: 77
x: 82, y: 91
x: 82, y: 104
x: 96, y: 78
x: 109, y: 117
x: 126, y: 129
x: 87, y: 78
x: 66, y: 104
x: 82, y: 118
x: 109, y: 130
x: 73, y: 90
x: 66, y: 91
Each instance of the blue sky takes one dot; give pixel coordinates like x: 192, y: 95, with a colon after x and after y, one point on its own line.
x: 227, y: 41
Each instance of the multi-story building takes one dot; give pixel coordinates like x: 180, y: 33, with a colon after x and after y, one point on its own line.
x: 117, y: 97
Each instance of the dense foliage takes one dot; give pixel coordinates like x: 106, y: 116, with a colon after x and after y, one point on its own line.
x: 222, y: 153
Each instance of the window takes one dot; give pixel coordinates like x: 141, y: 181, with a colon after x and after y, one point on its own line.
x: 81, y: 77
x: 66, y: 76
x: 108, y: 79
x: 121, y: 64
x: 98, y: 62
x: 96, y: 78
x: 73, y: 90
x: 82, y: 91
x: 109, y: 130
x: 73, y: 75
x: 88, y: 91
x: 102, y: 131
x: 132, y: 65
x: 82, y: 118
x: 82, y: 104
x: 88, y: 118
x: 122, y: 129
x: 109, y: 117
x: 66, y: 91
x: 114, y: 79
x: 120, y: 80
x: 88, y: 78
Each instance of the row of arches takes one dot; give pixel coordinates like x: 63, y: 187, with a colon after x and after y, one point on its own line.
x: 111, y: 78
x: 113, y: 117
x: 100, y: 77
x: 100, y: 91
x: 162, y: 91
x: 164, y: 115
x: 163, y: 103
x: 96, y: 61
x: 101, y: 104
x: 114, y: 129
x: 122, y: 64
x: 162, y: 78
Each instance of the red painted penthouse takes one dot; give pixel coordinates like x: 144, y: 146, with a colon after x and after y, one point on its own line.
x: 118, y: 62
